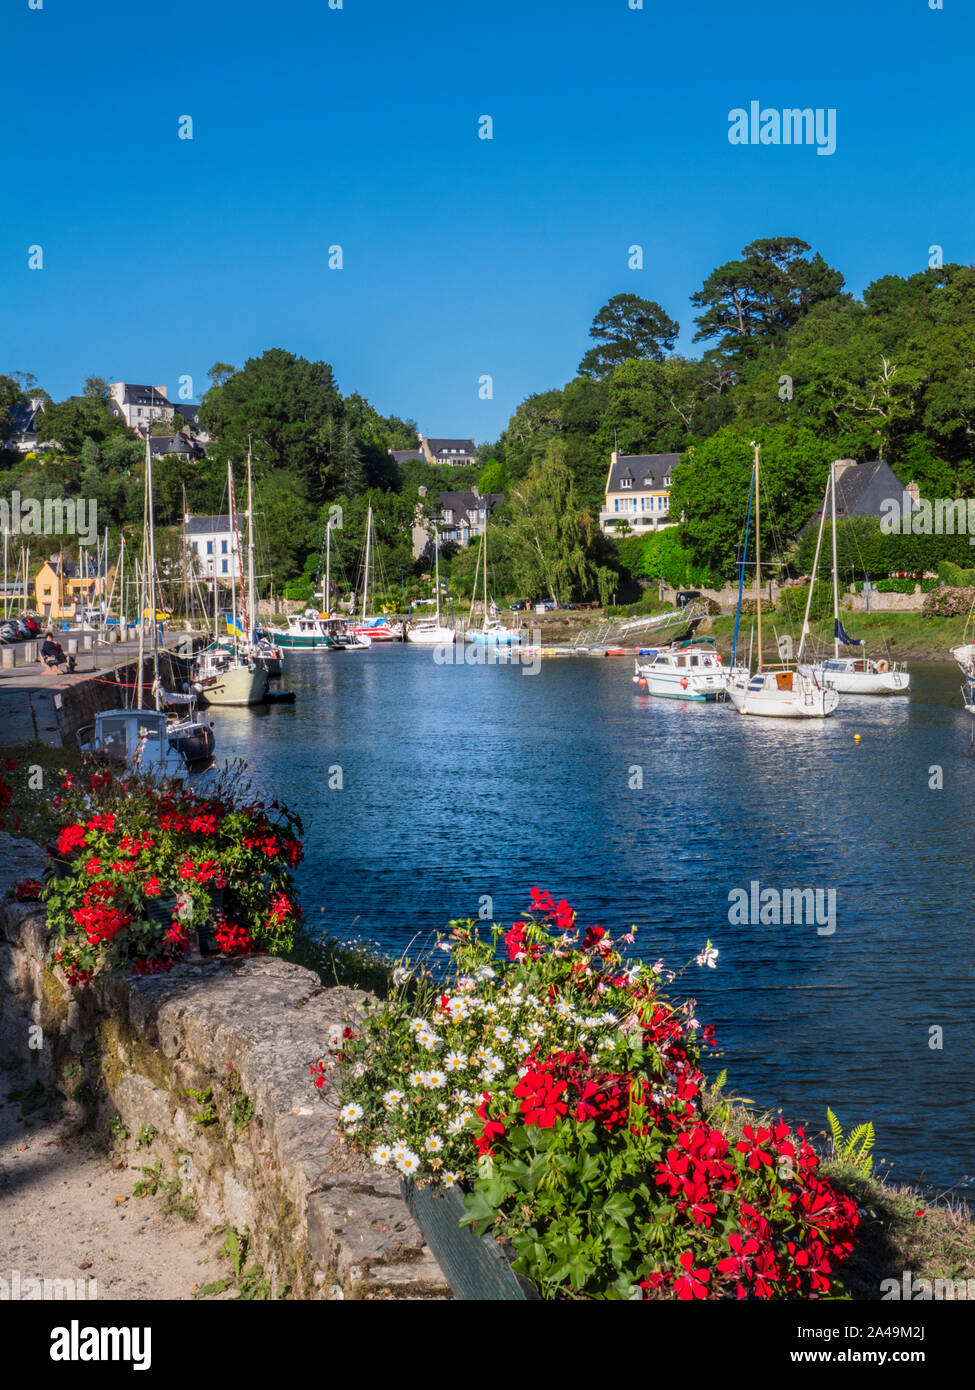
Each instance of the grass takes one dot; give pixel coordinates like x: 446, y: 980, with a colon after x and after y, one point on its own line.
x: 356, y: 963
x: 907, y: 636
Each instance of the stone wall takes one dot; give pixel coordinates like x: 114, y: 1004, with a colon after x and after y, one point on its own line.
x: 255, y: 1144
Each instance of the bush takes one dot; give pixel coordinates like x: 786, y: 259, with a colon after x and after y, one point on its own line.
x: 948, y: 603
x: 563, y: 1090
x: 955, y: 576
x: 791, y: 602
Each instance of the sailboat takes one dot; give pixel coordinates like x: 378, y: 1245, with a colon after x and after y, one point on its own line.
x: 782, y: 691
x: 155, y: 740
x: 847, y: 674
x: 230, y: 677
x: 430, y: 632
x: 492, y: 631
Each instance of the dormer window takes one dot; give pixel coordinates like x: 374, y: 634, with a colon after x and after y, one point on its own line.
x: 667, y: 481
x: 648, y: 482
x: 626, y: 482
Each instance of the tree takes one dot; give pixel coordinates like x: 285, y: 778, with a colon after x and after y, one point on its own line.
x: 758, y: 298
x: 544, y: 538
x: 626, y: 327
x: 494, y: 477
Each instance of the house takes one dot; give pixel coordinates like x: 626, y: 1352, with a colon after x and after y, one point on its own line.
x: 22, y: 417
x: 210, y: 540
x: 638, y: 493
x: 456, y: 452
x: 863, y: 489
x: 459, y: 517
x: 165, y: 445
x: 188, y: 417
x: 63, y: 588
x: 138, y: 406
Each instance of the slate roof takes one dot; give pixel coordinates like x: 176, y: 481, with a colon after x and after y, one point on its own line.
x: 462, y: 502
x: 191, y: 413
x: 206, y: 525
x: 21, y: 417
x: 174, y: 444
x: 142, y: 395
x: 638, y: 467
x: 863, y: 488
x: 72, y: 569
x: 449, y: 447
x: 401, y: 455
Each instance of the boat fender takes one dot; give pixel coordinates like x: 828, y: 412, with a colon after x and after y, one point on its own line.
x: 881, y: 666
x: 684, y: 682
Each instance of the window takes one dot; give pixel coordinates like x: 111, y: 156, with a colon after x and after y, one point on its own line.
x: 648, y: 482
x: 616, y: 504
x: 209, y: 547
x: 626, y: 482
x: 223, y: 564
x: 667, y: 481
x: 223, y: 547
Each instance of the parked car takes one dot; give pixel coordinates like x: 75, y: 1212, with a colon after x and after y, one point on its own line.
x: 520, y: 604
x: 684, y: 596
x: 545, y: 605
x: 9, y: 632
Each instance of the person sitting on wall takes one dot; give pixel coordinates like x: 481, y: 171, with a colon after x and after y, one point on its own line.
x: 52, y: 654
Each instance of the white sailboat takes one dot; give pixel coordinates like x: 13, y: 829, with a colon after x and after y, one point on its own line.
x: 430, y: 632
x: 492, y: 631
x: 230, y: 677
x: 778, y: 692
x: 850, y: 675
x: 683, y: 671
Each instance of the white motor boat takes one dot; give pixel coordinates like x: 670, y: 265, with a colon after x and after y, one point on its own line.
x: 859, y: 675
x: 692, y: 672
x: 430, y: 633
x: 782, y: 692
x: 149, y: 739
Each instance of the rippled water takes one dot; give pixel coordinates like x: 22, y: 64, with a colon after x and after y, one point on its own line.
x: 465, y: 781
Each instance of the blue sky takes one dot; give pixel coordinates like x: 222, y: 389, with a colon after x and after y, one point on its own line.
x: 462, y: 257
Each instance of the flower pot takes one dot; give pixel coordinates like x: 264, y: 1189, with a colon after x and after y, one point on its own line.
x: 476, y: 1267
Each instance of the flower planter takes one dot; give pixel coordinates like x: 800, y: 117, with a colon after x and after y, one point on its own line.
x: 476, y: 1267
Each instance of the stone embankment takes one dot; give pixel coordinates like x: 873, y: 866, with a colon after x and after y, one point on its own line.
x: 215, y: 1058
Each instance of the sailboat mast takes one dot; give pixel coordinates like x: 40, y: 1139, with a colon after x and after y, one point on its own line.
x: 365, y: 584
x: 327, y: 590
x: 436, y: 568
x: 233, y: 551
x: 758, y: 558
x: 836, y: 581
x: 815, y: 569
x: 485, y: 623
x: 251, y: 598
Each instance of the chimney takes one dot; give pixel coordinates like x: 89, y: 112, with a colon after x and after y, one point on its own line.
x: 162, y: 392
x: 914, y: 492
x: 841, y: 465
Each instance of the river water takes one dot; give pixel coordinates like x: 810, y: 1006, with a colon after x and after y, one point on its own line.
x: 465, y: 782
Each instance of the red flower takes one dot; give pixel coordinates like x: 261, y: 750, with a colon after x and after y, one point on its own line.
x: 153, y: 888
x: 72, y: 837
x: 28, y: 890
x: 693, y: 1283
x: 542, y: 902
x: 233, y: 940
x: 592, y: 937
x: 751, y: 1145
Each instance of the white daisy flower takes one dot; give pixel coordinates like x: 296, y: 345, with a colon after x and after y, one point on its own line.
x: 456, y: 1126
x: 455, y: 1061
x: 502, y: 1034
x: 492, y: 1066
x: 483, y: 972
x: 433, y: 1144
x: 451, y: 1179
x: 535, y: 1030
x: 429, y: 1041
x: 382, y: 1154
x: 408, y: 1164
x: 434, y: 1080
x: 351, y: 1113
x: 522, y: 1045
x: 401, y: 975
x: 416, y: 1077
x: 441, y: 1108
x: 393, y: 1099
x: 419, y: 1025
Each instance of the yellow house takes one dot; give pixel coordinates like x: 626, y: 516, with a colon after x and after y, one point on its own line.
x: 637, y: 493
x: 65, y: 588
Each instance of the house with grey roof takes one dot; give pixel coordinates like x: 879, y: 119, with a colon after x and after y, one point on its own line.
x: 21, y: 421
x: 459, y: 517
x: 866, y: 489
x: 139, y: 406
x: 638, y: 493
x: 456, y: 452
x: 166, y: 445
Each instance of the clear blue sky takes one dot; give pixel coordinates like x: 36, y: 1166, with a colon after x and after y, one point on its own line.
x: 462, y: 256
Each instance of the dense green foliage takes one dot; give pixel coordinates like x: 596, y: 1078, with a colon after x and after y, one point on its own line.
x: 791, y: 361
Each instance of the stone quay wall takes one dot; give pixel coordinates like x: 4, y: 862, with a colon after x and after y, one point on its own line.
x: 215, y: 1057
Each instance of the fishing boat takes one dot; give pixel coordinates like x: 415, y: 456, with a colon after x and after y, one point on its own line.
x: 430, y: 632
x: 306, y: 632
x: 781, y: 691
x: 683, y: 671
x: 847, y: 674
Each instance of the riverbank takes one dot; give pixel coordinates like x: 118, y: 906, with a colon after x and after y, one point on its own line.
x: 892, y: 636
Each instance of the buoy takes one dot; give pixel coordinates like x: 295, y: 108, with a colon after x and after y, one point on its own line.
x: 684, y: 682
x: 641, y: 681
x: 856, y: 738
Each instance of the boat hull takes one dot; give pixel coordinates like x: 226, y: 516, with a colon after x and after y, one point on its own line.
x: 241, y: 685
x: 861, y: 682
x: 807, y: 701
x: 431, y: 636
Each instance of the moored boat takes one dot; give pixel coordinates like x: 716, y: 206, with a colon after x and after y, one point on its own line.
x: 683, y: 672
